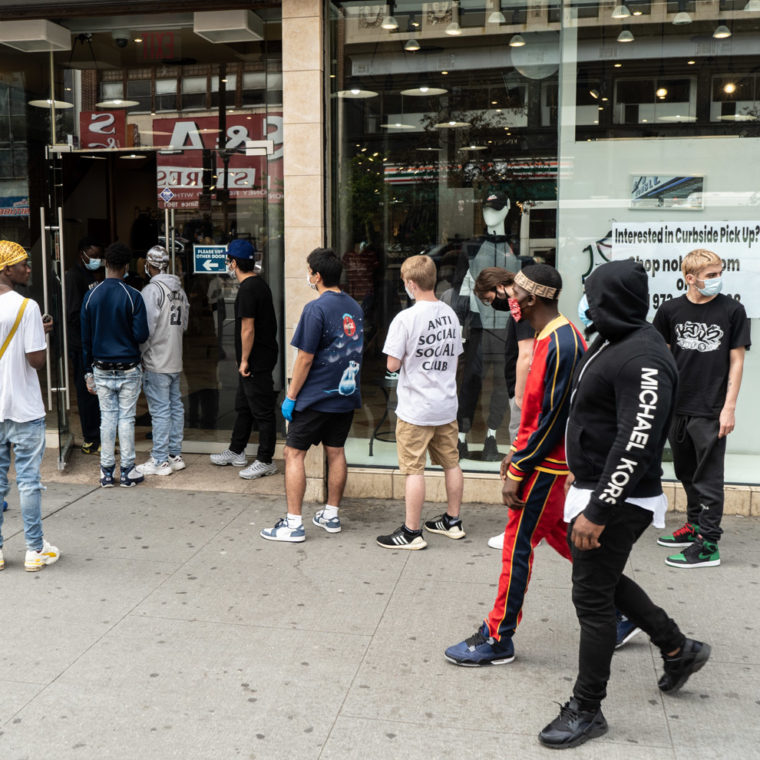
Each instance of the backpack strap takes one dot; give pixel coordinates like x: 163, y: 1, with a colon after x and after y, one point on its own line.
x: 20, y: 314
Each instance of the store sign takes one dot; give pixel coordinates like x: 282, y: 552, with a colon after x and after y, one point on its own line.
x: 245, y: 176
x: 661, y: 246
x: 209, y: 259
x: 14, y: 205
x: 102, y: 129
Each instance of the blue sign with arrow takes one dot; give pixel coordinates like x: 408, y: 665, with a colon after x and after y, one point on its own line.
x: 209, y: 259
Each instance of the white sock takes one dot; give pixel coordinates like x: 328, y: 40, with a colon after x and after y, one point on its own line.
x: 294, y: 521
x: 491, y: 433
x: 462, y: 437
x: 329, y: 512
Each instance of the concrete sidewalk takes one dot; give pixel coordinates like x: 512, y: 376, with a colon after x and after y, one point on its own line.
x: 169, y: 629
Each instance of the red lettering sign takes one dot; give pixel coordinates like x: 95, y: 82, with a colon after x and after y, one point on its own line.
x: 103, y: 129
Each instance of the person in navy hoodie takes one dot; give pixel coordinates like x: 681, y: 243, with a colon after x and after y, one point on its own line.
x: 114, y: 324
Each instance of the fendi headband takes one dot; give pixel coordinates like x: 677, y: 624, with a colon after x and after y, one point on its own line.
x: 543, y: 291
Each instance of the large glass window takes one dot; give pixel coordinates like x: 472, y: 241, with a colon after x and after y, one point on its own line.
x: 430, y: 111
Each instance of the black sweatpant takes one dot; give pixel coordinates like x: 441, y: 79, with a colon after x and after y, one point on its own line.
x: 255, y: 400
x: 599, y: 588
x: 698, y: 457
x: 87, y: 403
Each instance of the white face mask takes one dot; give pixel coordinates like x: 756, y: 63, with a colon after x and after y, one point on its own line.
x: 711, y: 287
x: 409, y: 293
x: 312, y: 285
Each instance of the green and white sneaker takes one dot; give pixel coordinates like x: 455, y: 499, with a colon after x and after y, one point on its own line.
x: 684, y: 536
x: 700, y: 553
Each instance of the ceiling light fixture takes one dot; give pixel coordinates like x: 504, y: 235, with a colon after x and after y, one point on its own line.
x: 621, y: 11
x: 626, y: 35
x: 721, y: 32
x: 753, y: 6
x: 453, y: 29
x: 729, y: 88
x: 661, y: 93
x: 497, y: 17
x: 356, y: 93
x: 412, y: 46
x: 389, y: 23
x: 117, y: 103
x: 61, y: 105
x: 517, y: 40
x: 682, y: 17
x: 423, y: 91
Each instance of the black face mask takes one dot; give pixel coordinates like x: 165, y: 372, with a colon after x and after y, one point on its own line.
x: 499, y: 303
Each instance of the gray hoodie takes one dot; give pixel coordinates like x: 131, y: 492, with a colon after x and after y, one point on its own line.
x: 167, y: 308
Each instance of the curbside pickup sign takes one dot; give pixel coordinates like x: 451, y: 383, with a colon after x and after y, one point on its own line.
x: 209, y: 259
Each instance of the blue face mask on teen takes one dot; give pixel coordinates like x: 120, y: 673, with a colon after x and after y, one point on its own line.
x: 93, y: 264
x: 712, y: 286
x: 583, y: 314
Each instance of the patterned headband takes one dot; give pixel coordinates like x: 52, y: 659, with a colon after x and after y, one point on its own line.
x: 11, y: 253
x: 543, y: 291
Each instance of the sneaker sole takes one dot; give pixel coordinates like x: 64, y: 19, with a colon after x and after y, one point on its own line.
x: 484, y: 664
x: 257, y: 476
x: 626, y: 639
x: 129, y: 485
x: 690, y: 565
x: 446, y: 533
x: 406, y: 547
x: 673, y: 543
x: 178, y: 467
x: 106, y: 485
x: 234, y: 464
x: 298, y: 540
x: 494, y: 545
x: 324, y: 527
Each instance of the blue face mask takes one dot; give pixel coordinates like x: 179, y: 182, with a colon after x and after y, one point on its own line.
x: 583, y: 314
x: 712, y: 287
x: 93, y: 264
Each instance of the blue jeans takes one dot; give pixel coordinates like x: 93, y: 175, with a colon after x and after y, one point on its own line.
x: 28, y: 439
x: 118, y: 390
x: 166, y: 410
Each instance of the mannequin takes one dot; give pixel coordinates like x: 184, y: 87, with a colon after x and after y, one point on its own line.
x: 484, y: 349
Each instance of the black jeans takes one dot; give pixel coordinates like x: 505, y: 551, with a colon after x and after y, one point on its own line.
x: 87, y: 403
x: 599, y: 588
x: 698, y: 457
x: 255, y: 401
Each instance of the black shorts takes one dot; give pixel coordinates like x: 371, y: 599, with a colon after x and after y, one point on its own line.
x: 311, y: 427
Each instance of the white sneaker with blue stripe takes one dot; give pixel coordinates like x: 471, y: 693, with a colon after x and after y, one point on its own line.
x: 281, y: 532
x: 331, y: 525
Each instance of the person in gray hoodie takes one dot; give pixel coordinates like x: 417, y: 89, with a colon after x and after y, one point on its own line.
x: 167, y: 309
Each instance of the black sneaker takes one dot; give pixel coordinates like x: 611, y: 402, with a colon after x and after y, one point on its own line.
x: 90, y: 447
x: 402, y: 538
x: 691, y: 658
x: 573, y: 726
x: 464, y: 452
x: 700, y: 553
x: 446, y: 526
x: 490, y: 451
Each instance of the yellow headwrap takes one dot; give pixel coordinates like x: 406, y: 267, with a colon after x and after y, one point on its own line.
x: 11, y: 253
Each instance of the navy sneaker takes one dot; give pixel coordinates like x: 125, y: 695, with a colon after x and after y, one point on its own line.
x: 130, y: 477
x: 573, y: 726
x: 626, y: 630
x: 106, y: 476
x: 691, y: 658
x: 481, y: 649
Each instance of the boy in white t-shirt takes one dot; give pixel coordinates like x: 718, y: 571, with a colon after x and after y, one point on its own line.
x: 423, y: 346
x: 22, y: 413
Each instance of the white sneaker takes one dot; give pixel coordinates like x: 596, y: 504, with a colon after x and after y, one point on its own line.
x: 281, y: 532
x: 177, y: 463
x: 229, y: 457
x: 258, y: 469
x: 152, y: 467
x: 35, y: 561
x: 496, y: 542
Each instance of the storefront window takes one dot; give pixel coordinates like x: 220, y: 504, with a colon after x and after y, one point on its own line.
x: 426, y: 122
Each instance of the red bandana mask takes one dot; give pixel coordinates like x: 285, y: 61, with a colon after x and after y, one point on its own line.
x: 515, y: 309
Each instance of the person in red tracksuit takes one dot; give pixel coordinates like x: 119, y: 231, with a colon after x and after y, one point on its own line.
x: 534, y: 473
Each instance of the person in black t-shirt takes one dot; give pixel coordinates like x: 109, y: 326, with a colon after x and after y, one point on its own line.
x: 708, y: 334
x: 256, y: 353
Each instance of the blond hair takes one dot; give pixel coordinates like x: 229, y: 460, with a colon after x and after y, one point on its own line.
x: 420, y: 270
x: 696, y: 260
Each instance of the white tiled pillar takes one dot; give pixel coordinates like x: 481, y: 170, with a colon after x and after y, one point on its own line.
x: 303, y: 171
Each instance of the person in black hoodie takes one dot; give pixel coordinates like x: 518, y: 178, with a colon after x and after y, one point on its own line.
x: 621, y: 406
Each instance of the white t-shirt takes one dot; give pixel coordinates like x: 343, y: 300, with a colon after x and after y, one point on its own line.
x: 20, y: 395
x: 426, y: 338
x: 577, y: 500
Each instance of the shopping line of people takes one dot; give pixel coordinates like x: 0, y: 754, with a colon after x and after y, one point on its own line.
x: 603, y: 415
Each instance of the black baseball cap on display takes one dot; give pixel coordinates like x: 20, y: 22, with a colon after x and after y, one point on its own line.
x: 496, y: 200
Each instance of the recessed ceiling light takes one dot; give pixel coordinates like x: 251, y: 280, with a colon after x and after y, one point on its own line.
x: 729, y: 88
x: 691, y: 63
x: 617, y: 65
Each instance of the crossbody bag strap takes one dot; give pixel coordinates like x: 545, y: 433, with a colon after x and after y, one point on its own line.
x: 15, y: 327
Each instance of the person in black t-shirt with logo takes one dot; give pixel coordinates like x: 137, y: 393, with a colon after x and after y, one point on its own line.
x: 256, y: 353
x: 708, y: 334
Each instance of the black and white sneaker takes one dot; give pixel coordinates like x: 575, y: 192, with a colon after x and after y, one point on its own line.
x: 446, y: 526
x: 402, y: 538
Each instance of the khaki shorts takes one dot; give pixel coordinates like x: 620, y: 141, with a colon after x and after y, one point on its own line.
x: 412, y: 441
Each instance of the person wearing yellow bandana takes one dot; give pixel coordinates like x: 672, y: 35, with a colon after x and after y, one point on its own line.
x: 22, y: 413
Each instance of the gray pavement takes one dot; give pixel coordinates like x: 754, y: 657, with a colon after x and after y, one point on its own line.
x: 169, y: 629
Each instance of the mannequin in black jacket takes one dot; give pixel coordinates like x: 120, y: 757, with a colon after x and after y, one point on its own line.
x: 620, y: 409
